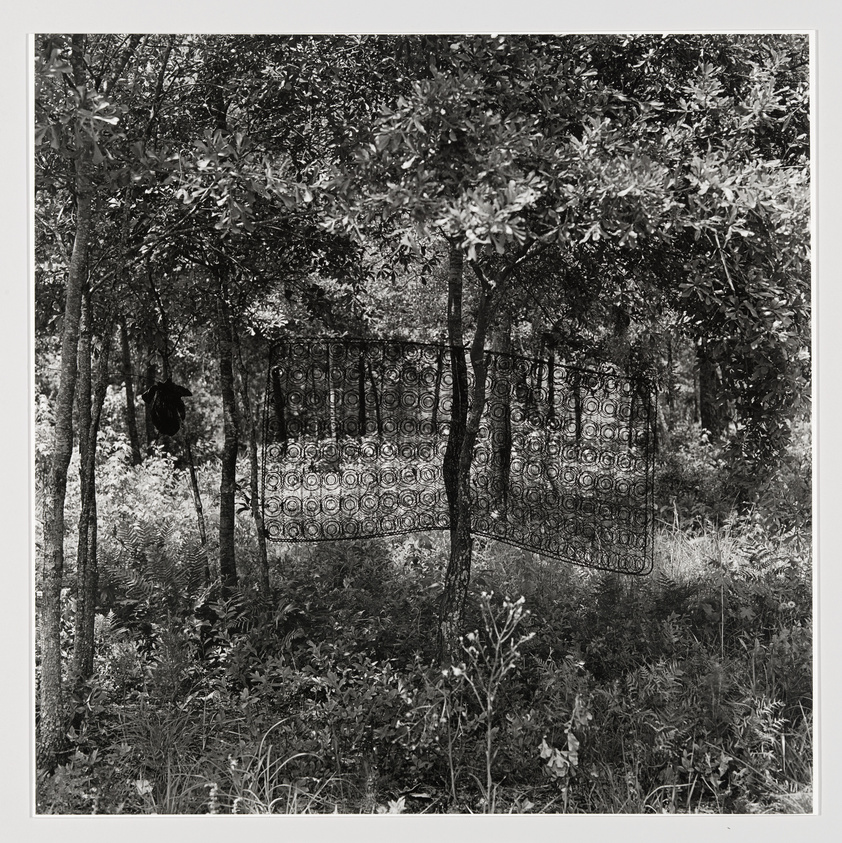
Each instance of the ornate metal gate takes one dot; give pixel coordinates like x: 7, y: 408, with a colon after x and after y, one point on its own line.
x: 356, y: 433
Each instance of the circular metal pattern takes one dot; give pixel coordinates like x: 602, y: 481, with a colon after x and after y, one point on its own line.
x: 368, y: 478
x: 388, y: 502
x: 388, y: 478
x: 369, y: 503
x: 408, y: 501
x: 408, y: 523
x: 428, y: 499
x: 429, y: 474
x: 409, y: 474
x: 590, y: 430
x: 389, y: 450
x: 356, y: 441
x: 407, y: 454
x: 428, y: 379
x: 330, y: 481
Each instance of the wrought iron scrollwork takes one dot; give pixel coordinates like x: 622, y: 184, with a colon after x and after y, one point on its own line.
x: 356, y: 433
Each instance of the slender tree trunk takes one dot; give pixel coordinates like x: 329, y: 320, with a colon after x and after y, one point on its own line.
x: 375, y: 397
x: 361, y: 416
x: 254, y: 486
x: 663, y: 435
x: 500, y: 423
x: 459, y: 377
x: 712, y: 412
x: 331, y: 396
x: 458, y: 574
x: 51, y: 733
x: 83, y: 418
x: 228, y: 481
x: 149, y: 381
x: 696, y: 414
x: 128, y: 381
x: 197, y: 500
x: 93, y: 397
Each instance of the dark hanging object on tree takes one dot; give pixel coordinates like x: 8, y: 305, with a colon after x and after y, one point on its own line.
x: 356, y: 442
x: 165, y: 405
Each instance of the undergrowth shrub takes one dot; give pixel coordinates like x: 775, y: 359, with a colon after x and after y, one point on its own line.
x: 686, y: 690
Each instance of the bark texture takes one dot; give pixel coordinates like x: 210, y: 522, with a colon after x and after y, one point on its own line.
x: 458, y: 573
x: 228, y: 480
x: 52, y: 716
x: 459, y: 376
x: 91, y: 389
x: 254, y: 486
x: 500, y: 418
x: 148, y: 382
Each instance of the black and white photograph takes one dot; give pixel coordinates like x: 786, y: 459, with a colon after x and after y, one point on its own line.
x: 422, y: 424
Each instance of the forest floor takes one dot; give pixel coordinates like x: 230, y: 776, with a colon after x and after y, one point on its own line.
x: 687, y: 690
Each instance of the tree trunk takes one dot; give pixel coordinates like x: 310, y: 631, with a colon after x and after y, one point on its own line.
x: 91, y: 398
x: 500, y: 423
x: 712, y: 412
x: 51, y: 732
x: 197, y: 500
x: 459, y: 376
x: 696, y: 415
x: 458, y: 574
x: 128, y: 381
x: 149, y: 381
x: 254, y: 486
x: 228, y: 481
x: 83, y: 417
